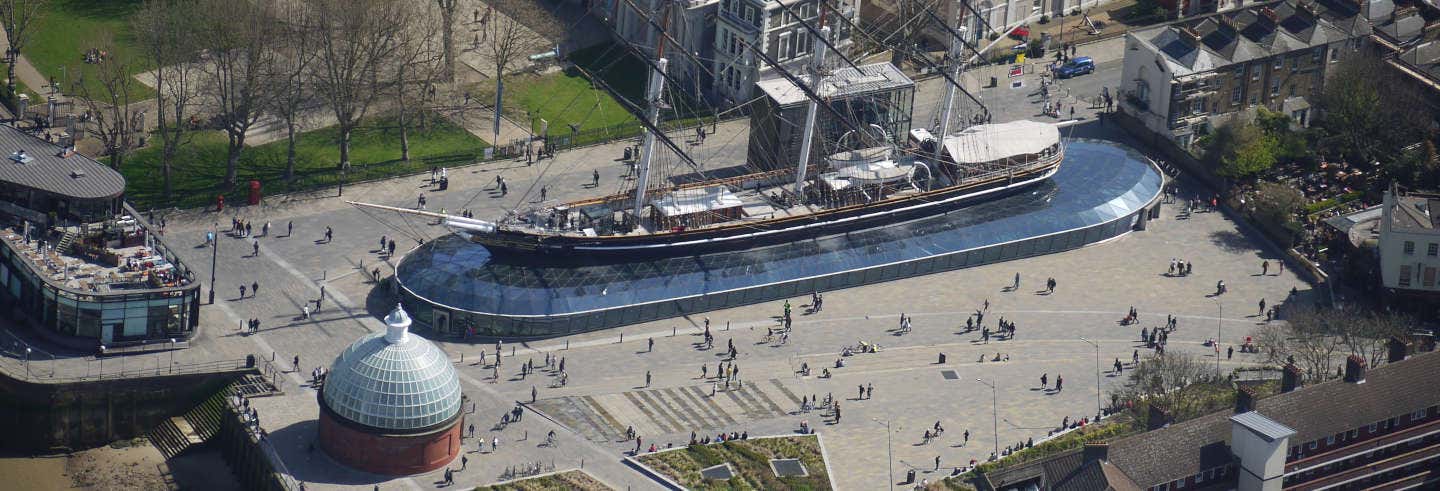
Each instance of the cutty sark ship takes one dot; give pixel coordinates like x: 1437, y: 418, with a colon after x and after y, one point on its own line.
x: 867, y: 179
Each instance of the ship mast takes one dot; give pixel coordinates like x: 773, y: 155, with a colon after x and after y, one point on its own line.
x: 949, y: 105
x: 816, y: 63
x: 647, y: 147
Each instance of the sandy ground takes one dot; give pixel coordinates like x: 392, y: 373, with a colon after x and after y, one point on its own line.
x: 122, y: 466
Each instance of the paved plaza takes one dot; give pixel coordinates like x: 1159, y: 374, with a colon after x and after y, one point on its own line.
x: 607, y: 390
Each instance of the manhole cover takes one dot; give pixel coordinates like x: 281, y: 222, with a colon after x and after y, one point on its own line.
x: 949, y: 374
x: 788, y: 468
x: 720, y: 472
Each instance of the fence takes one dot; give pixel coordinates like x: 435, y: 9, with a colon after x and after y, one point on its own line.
x: 20, y: 360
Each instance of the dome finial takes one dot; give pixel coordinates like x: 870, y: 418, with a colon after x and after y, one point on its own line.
x: 397, y: 325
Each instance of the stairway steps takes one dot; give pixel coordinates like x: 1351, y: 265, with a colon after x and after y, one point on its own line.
x: 175, y: 435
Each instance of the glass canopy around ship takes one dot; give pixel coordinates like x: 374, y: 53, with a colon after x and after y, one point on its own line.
x: 403, y: 386
x: 1098, y: 182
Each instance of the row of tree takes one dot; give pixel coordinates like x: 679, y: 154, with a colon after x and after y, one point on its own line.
x: 227, y: 64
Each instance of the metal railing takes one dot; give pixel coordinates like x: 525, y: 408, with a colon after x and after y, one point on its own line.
x: 22, y: 361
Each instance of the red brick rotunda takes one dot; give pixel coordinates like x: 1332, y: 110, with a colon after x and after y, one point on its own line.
x: 391, y: 403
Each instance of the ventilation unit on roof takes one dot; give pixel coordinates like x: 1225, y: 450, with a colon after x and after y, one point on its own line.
x: 21, y: 157
x: 77, y: 173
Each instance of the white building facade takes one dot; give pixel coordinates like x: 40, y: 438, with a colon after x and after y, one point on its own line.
x: 772, y: 28
x: 1410, y: 242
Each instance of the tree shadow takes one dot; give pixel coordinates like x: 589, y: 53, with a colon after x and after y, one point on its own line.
x: 1231, y: 241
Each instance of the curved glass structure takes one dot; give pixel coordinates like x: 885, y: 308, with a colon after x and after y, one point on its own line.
x: 403, y: 386
x: 458, y: 287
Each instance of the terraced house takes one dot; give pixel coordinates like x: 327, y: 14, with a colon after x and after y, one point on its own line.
x: 1378, y: 430
x: 1182, y: 79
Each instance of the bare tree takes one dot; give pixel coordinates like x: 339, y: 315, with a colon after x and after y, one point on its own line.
x: 447, y: 38
x: 17, y: 17
x: 509, y: 40
x: 1161, y: 380
x: 289, y: 71
x: 166, y: 34
x: 113, y: 120
x: 355, y: 40
x: 418, y: 62
x: 1317, y: 338
x: 237, y: 37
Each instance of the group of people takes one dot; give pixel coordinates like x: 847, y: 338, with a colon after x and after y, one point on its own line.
x: 719, y: 438
x: 1180, y: 267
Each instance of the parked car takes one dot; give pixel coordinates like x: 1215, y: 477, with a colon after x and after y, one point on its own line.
x: 1076, y: 66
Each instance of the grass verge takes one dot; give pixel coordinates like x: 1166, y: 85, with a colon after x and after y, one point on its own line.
x: 374, y: 153
x: 750, y: 459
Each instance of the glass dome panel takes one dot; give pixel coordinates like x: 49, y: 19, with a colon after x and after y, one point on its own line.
x: 408, y: 385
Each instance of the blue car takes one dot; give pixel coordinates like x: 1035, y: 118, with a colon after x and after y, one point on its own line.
x: 1076, y: 66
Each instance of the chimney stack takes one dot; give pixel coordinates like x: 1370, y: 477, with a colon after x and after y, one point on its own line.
x: 1244, y: 399
x: 1269, y: 13
x: 1158, y: 417
x: 1397, y: 349
x: 1095, y: 451
x: 1355, y: 369
x: 1290, y: 378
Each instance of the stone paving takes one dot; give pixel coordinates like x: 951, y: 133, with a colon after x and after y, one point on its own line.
x: 607, y: 391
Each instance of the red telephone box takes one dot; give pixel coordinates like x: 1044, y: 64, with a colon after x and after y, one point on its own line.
x: 254, y: 193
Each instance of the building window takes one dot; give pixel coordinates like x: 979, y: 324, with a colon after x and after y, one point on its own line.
x: 784, y: 43
x: 1180, y: 484
x: 1294, y: 64
x: 1279, y: 63
x: 1432, y: 249
x: 1428, y: 279
x: 1235, y: 96
x: 1409, y: 247
x: 1252, y: 99
x: 1329, y: 440
x: 1353, y: 434
x: 1417, y: 415
x: 1390, y: 424
x: 1292, y: 91
x: 1334, y: 55
x: 1275, y: 87
x: 1375, y: 426
x: 1255, y: 74
x: 750, y: 15
x: 1404, y: 281
x: 1314, y: 444
x: 1239, y: 72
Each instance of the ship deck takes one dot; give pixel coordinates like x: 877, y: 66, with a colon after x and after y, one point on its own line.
x: 1099, y: 192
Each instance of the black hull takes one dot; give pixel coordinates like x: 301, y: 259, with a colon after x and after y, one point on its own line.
x: 763, y: 233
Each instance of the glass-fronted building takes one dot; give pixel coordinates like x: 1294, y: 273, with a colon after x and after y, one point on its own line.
x: 76, y: 262
x: 455, y: 287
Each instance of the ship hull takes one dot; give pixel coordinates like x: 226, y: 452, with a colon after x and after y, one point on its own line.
x: 767, y: 232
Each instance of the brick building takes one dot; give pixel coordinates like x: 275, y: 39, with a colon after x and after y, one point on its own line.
x: 1369, y: 430
x: 1182, y: 79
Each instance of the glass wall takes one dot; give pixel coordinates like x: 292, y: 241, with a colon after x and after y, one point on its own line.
x: 114, y: 319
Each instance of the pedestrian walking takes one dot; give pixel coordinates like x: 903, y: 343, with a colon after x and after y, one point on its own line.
x: 495, y: 444
x: 650, y: 345
x: 869, y: 390
x: 647, y: 378
x: 1017, y: 282
x: 967, y: 437
x: 242, y: 291
x: 1262, y: 307
x: 329, y: 234
x: 595, y: 178
x: 464, y: 461
x: 937, y: 462
x: 1044, y: 381
x: 289, y: 228
x: 1230, y: 353
x: 296, y: 362
x: 1059, y: 383
x: 1264, y: 268
x: 255, y: 289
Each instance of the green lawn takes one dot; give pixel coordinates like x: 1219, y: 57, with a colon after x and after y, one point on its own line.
x: 70, y: 27
x: 750, y: 459
x: 374, y: 153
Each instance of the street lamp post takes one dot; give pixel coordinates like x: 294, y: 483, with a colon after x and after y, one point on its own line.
x: 214, y: 257
x: 1098, y: 412
x: 27, y: 362
x: 994, y: 413
x: 1218, y: 322
x: 172, y: 355
x: 889, y: 455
